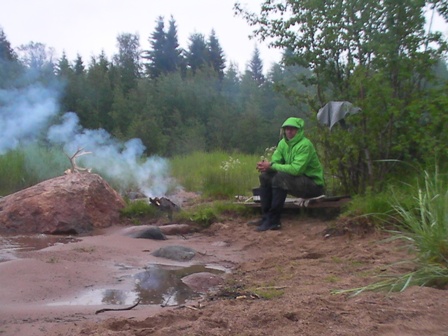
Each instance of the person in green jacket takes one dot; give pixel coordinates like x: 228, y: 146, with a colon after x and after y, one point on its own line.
x: 294, y: 169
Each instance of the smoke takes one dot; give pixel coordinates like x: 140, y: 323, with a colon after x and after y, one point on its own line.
x: 24, y: 113
x: 30, y: 114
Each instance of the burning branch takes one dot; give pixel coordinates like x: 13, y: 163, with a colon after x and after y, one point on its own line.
x: 165, y: 204
x: 75, y: 168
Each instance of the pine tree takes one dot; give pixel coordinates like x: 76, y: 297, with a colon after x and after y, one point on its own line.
x: 79, y: 66
x: 156, y: 56
x: 9, y: 66
x: 255, y: 67
x: 173, y: 53
x: 6, y: 52
x: 197, y: 54
x: 216, y: 55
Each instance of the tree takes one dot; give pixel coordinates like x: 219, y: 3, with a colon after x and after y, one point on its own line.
x: 127, y: 61
x: 165, y: 56
x: 38, y: 60
x: 197, y: 53
x: 6, y: 51
x: 216, y: 55
x: 255, y: 67
x: 79, y: 67
x: 375, y: 54
x: 9, y: 66
x: 156, y: 64
x: 173, y: 53
x: 95, y: 94
x: 36, y: 56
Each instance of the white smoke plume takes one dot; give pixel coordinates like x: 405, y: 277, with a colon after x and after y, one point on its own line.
x: 26, y: 116
x: 24, y: 113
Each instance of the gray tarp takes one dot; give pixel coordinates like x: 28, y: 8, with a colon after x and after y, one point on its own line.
x: 335, y: 111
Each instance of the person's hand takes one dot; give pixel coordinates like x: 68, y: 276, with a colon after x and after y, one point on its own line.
x: 263, y: 166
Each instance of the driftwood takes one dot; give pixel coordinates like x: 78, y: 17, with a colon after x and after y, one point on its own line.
x: 117, y: 309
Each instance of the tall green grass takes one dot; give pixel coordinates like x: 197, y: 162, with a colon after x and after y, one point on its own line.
x: 217, y: 174
x: 12, y: 172
x: 423, y: 226
x: 29, y: 165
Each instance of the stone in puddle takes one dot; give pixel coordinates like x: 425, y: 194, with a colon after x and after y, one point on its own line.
x: 203, y: 281
x: 175, y: 252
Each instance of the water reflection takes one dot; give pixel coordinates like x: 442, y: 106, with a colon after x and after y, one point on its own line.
x: 156, y: 285
x: 10, y: 246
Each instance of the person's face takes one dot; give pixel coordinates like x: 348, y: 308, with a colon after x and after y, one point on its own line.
x: 290, y: 132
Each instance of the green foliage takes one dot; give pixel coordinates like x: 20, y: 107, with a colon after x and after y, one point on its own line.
x: 205, y: 214
x: 377, y: 55
x: 378, y: 206
x: 11, y: 172
x: 423, y: 226
x: 30, y: 165
x: 216, y: 174
x: 139, y: 209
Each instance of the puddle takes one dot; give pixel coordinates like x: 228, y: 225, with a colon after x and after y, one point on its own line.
x: 10, y: 246
x: 156, y: 285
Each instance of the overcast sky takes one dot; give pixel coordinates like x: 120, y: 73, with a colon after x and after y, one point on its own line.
x: 89, y: 26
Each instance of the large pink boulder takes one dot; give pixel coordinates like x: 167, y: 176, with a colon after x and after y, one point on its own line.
x: 74, y: 203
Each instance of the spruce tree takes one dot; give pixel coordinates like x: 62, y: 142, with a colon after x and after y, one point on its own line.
x: 156, y: 60
x: 173, y: 53
x: 216, y: 55
x: 255, y: 67
x: 197, y: 54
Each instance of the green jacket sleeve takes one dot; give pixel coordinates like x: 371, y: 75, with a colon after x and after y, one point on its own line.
x: 295, y: 160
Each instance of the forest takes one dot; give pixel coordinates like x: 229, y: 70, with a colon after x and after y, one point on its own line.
x: 379, y: 56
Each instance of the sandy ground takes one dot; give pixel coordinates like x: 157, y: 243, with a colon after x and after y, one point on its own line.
x: 281, y: 283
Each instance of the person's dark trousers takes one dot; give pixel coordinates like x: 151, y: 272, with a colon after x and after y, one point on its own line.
x: 265, y: 194
x: 265, y: 200
x: 271, y: 217
x: 265, y: 191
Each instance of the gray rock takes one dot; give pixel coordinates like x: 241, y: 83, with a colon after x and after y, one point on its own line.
x: 175, y: 252
x: 202, y: 281
x: 151, y: 232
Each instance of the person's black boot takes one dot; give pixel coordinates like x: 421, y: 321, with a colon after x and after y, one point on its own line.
x: 272, y: 219
x: 265, y: 202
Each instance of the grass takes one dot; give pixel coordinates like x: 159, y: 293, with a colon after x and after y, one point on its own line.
x: 423, y: 226
x: 205, y: 214
x: 30, y: 165
x: 217, y: 174
x: 139, y: 209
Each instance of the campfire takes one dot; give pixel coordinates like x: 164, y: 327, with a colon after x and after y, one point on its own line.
x: 165, y: 205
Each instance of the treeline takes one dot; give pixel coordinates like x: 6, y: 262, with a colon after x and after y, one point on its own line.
x: 176, y: 101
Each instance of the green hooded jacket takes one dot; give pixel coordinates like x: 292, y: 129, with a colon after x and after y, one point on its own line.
x: 298, y: 155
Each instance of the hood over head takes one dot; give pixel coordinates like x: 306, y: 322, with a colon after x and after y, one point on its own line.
x: 294, y: 122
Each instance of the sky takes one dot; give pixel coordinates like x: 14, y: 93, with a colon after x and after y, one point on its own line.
x: 87, y: 27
